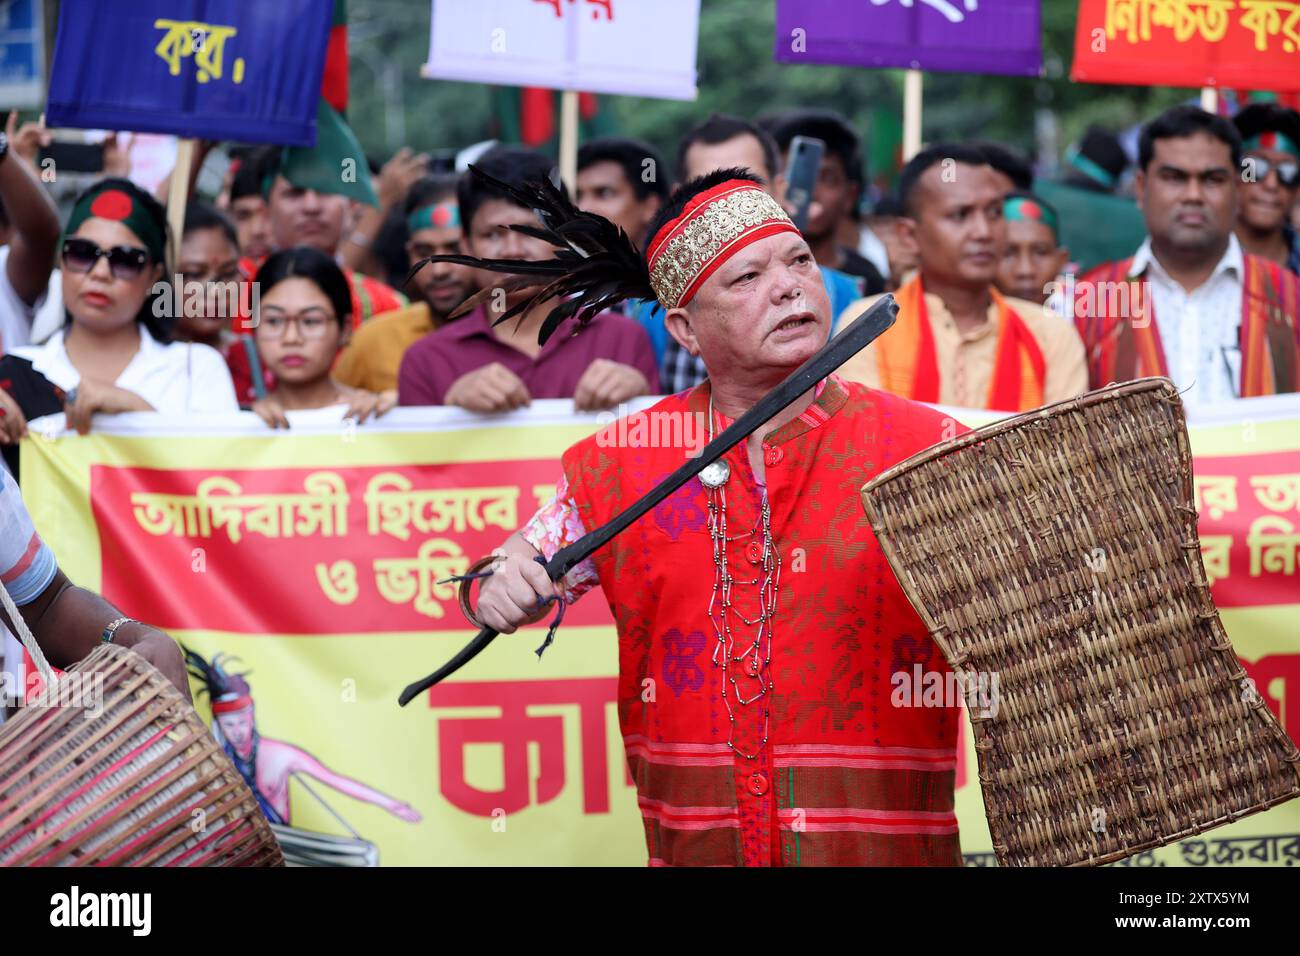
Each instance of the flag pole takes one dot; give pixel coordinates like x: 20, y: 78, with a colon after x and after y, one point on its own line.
x: 178, y: 193
x: 911, y: 114
x: 569, y: 138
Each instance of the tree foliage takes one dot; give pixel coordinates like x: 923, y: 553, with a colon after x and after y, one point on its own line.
x: 391, y: 104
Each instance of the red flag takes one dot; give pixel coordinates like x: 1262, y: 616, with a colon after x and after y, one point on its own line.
x: 334, y: 84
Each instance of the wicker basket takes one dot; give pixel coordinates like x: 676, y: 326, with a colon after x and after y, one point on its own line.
x: 1058, y: 551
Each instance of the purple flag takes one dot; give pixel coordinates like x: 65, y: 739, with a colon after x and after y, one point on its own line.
x: 957, y: 36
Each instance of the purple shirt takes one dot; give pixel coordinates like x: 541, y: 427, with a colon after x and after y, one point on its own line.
x: 432, y: 364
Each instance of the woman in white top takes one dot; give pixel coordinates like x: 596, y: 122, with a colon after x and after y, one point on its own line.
x: 114, y: 353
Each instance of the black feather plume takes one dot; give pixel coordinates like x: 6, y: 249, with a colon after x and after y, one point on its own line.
x: 595, y: 267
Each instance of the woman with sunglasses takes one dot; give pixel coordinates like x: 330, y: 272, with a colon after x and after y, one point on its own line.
x: 1270, y: 182
x: 303, y: 321
x: 114, y: 353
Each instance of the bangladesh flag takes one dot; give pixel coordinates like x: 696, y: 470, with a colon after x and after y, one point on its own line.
x: 531, y: 116
x: 334, y: 84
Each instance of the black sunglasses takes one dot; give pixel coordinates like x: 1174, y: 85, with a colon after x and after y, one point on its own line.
x: 1288, y: 171
x: 125, y: 262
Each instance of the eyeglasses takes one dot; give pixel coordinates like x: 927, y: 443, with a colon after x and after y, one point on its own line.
x: 125, y: 262
x: 312, y: 323
x: 1288, y: 171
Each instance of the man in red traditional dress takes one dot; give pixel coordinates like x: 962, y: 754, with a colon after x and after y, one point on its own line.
x: 760, y: 627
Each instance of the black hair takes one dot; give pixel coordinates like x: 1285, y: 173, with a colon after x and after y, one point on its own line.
x: 1102, y: 147
x: 427, y: 190
x: 841, y: 139
x: 1259, y: 118
x: 888, y: 205
x: 1010, y: 163
x: 201, y: 215
x: 631, y: 155
x: 304, y: 262
x: 719, y: 128
x: 1180, y: 122
x: 689, y: 190
x: 931, y: 156
x: 254, y: 164
x: 513, y: 165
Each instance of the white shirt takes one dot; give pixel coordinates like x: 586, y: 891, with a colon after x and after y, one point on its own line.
x: 15, y: 314
x: 872, y: 248
x: 1200, y: 330
x: 49, y: 314
x: 175, y: 378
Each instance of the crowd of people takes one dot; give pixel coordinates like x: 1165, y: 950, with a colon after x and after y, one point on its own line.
x: 300, y: 288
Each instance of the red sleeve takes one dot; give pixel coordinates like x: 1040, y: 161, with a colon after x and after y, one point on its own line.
x: 241, y: 376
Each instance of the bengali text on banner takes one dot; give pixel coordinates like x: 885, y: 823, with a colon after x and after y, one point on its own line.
x: 1245, y: 44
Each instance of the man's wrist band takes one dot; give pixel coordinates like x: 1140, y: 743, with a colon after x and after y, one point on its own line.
x: 472, y: 574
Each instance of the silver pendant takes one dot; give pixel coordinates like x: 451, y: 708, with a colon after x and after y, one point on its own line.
x: 715, y: 475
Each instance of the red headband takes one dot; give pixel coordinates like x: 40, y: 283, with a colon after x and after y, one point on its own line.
x: 226, y: 706
x: 713, y: 227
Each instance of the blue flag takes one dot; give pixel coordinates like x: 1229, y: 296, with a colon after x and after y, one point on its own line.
x: 210, y: 69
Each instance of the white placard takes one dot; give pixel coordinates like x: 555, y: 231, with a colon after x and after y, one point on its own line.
x: 629, y: 47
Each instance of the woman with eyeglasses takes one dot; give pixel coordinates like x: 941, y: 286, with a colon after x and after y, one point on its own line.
x: 303, y: 321
x: 114, y: 353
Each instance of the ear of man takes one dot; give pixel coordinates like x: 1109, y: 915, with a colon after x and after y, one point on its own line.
x: 905, y: 227
x: 678, y: 323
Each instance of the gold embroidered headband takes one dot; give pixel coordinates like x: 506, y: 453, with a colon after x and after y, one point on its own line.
x: 713, y: 227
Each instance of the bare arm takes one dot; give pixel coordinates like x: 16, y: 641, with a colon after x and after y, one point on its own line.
x: 35, y: 235
x: 67, y: 622
x: 307, y: 764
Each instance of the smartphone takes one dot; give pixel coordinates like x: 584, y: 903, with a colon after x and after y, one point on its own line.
x: 75, y: 157
x: 801, y: 175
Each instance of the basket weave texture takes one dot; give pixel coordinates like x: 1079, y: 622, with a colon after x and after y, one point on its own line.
x: 129, y: 777
x: 1057, y: 551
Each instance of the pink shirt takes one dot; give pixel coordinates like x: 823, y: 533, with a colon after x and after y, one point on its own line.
x: 432, y: 364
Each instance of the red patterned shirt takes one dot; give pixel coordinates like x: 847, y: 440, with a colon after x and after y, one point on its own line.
x: 846, y: 777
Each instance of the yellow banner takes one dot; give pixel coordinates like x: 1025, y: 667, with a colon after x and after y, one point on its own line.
x: 302, y: 568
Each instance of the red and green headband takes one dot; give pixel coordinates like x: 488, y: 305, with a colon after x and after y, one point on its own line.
x: 713, y: 227
x: 1025, y: 209
x: 117, y: 201
x: 440, y: 215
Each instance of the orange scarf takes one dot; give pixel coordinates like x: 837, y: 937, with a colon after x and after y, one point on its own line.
x: 909, y: 366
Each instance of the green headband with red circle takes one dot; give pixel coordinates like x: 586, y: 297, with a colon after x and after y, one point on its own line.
x: 440, y: 215
x: 1025, y: 209
x: 116, y: 201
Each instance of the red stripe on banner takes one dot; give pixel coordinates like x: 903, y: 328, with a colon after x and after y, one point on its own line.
x: 310, y: 550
